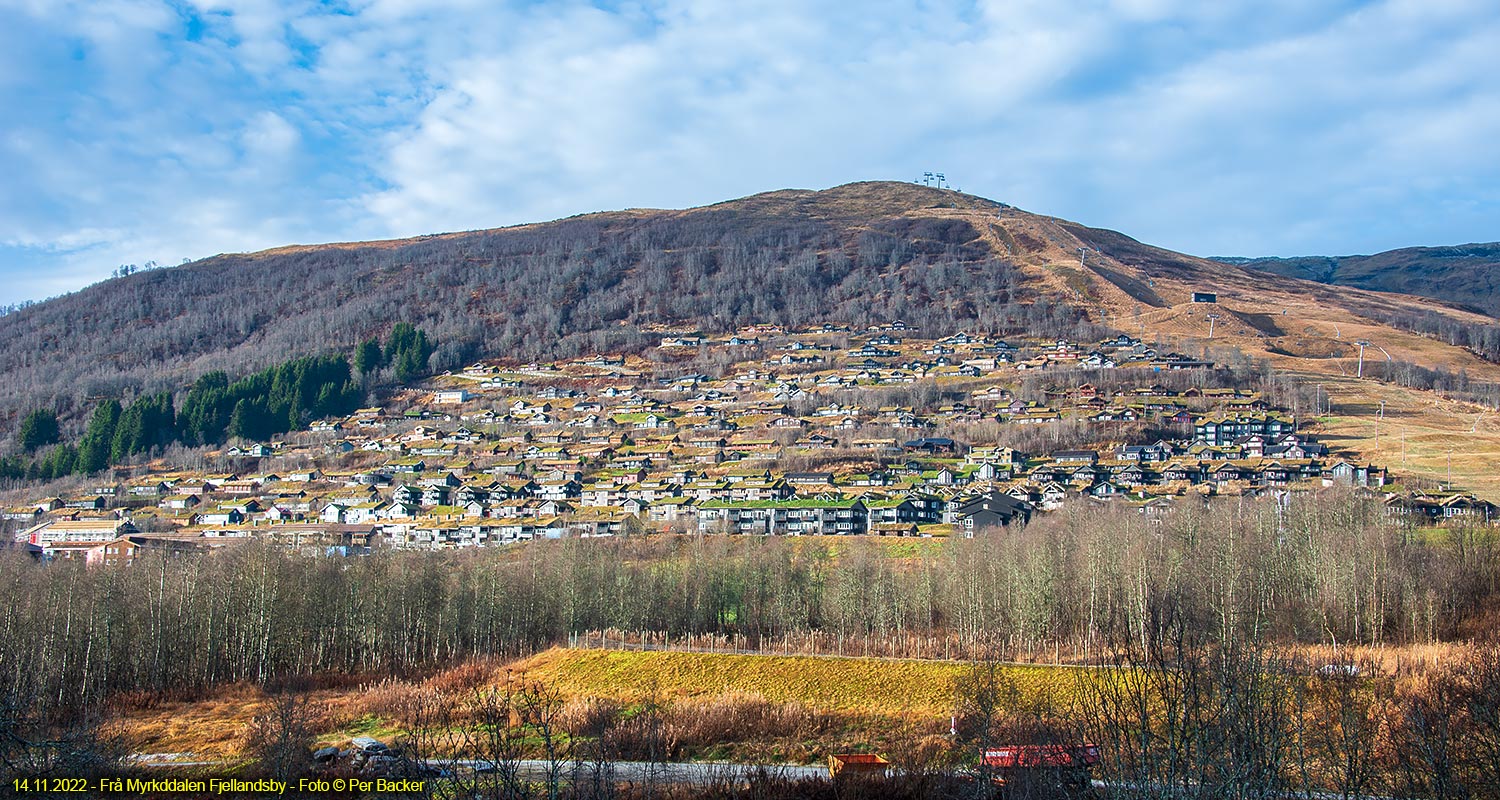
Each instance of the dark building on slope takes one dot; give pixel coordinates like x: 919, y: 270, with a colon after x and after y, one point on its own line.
x: 990, y: 509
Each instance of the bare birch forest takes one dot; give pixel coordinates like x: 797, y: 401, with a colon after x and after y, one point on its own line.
x: 1083, y: 580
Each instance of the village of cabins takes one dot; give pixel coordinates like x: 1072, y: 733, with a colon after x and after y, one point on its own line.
x: 785, y: 442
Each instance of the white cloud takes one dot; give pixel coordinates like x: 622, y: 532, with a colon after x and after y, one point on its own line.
x: 269, y: 136
x: 1245, y: 126
x: 588, y: 111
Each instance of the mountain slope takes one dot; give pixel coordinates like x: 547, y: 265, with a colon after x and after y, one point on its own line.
x: 861, y: 253
x: 1466, y: 274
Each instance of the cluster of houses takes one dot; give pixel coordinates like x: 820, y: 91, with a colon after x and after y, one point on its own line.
x: 610, y: 445
x: 885, y: 355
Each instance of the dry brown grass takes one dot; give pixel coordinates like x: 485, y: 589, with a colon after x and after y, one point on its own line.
x: 213, y: 726
x: 850, y: 685
x: 465, y: 676
x: 390, y: 698
x: 722, y: 705
x: 1419, y: 433
x: 1403, y: 659
x: 713, y: 706
x: 735, y: 716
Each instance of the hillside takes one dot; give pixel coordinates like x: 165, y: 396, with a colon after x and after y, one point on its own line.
x: 857, y: 254
x: 1466, y: 274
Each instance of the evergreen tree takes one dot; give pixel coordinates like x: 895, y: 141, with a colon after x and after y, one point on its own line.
x: 205, y: 409
x: 94, y: 449
x: 12, y: 467
x: 149, y: 421
x: 161, y: 421
x: 38, y: 429
x: 407, y: 350
x: 251, y: 420
x: 408, y: 366
x: 368, y: 357
x: 403, y: 336
x: 127, y: 433
x: 275, y: 400
x: 58, y: 462
x: 241, y: 420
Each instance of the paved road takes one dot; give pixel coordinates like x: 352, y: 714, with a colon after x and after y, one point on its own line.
x: 690, y: 773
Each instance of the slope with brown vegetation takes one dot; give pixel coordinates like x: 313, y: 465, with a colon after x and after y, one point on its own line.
x: 1419, y: 433
x: 859, y: 254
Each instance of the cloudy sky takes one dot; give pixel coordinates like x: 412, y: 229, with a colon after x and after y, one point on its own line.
x: 160, y: 130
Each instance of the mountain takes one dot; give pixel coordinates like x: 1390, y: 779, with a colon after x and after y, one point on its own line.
x: 861, y: 254
x: 1467, y: 274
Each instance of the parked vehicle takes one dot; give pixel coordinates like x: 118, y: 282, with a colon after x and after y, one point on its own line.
x: 857, y: 764
x: 1064, y: 766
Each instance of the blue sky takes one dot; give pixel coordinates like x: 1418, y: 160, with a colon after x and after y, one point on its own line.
x: 161, y: 130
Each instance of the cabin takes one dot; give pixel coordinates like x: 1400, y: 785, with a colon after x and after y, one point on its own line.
x: 1075, y: 457
x: 931, y: 445
x: 990, y: 509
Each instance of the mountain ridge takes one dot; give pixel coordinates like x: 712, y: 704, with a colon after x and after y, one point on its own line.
x: 1464, y: 274
x: 861, y: 253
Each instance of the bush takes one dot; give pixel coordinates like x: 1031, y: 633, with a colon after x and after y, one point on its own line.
x: 280, y: 739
